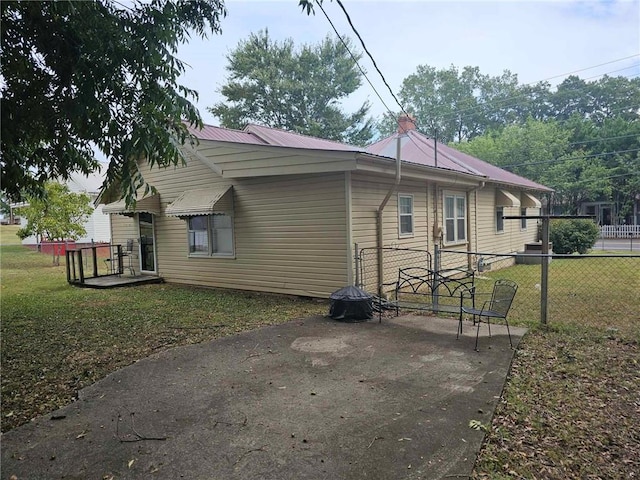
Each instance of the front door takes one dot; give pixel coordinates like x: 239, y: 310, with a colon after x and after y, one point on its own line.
x: 147, y: 244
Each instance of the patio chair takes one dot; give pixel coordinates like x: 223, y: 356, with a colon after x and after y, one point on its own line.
x: 128, y: 252
x: 497, y: 307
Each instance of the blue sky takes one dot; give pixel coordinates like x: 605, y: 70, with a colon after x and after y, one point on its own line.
x: 535, y: 39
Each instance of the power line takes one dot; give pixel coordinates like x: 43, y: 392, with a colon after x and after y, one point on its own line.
x: 587, y: 68
x: 339, y: 2
x: 521, y: 95
x: 604, y: 139
x: 570, y: 158
x: 352, y: 56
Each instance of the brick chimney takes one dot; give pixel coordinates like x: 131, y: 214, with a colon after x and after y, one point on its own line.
x: 406, y: 123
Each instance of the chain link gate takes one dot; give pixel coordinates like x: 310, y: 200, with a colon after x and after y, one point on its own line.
x: 393, y: 259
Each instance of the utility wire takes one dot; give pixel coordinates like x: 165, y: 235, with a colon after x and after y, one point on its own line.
x: 339, y: 2
x: 586, y: 68
x: 404, y: 111
x: 419, y: 147
x: 604, y: 139
x: 570, y: 158
x: 355, y: 60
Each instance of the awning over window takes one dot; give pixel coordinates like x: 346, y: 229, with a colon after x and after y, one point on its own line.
x: 197, y: 202
x: 506, y: 199
x: 529, y: 201
x: 150, y: 204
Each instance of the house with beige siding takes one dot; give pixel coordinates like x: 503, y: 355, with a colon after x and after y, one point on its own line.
x: 268, y: 210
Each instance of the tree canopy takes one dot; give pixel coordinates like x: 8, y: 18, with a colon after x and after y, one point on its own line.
x: 584, y: 143
x: 79, y: 76
x: 58, y: 215
x: 298, y: 89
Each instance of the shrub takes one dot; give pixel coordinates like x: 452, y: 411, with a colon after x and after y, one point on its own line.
x: 570, y: 236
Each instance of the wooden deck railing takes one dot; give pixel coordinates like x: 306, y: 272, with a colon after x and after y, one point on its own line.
x: 83, y: 263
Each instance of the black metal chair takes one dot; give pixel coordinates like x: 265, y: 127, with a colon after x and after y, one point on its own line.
x: 128, y: 252
x: 498, y: 306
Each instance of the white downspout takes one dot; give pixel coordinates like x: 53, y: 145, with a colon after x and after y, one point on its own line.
x: 380, y: 236
x: 475, y: 230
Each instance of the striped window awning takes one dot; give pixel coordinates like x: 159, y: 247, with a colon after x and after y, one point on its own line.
x: 150, y: 204
x: 529, y: 201
x: 197, y: 202
x: 506, y: 199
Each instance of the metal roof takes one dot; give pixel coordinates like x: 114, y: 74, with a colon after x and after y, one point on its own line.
x: 419, y: 149
x: 415, y: 148
x: 261, y: 135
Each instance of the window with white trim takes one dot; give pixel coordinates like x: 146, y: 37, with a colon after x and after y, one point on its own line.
x: 455, y: 218
x: 211, y: 235
x: 499, y: 219
x: 405, y: 215
x: 523, y: 220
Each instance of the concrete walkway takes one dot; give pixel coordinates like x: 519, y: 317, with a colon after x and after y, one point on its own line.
x: 311, y: 399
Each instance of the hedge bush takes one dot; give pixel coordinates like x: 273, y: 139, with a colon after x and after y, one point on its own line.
x: 570, y: 236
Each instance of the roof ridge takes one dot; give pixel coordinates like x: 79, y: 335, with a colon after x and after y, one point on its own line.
x: 290, y: 132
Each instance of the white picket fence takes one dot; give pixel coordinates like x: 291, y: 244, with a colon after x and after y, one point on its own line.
x: 620, y: 231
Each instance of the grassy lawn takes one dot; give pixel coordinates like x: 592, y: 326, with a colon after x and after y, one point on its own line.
x: 57, y: 339
x: 570, y: 408
x: 571, y: 405
x: 8, y: 235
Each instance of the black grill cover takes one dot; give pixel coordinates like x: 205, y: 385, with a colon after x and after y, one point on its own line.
x: 351, y: 304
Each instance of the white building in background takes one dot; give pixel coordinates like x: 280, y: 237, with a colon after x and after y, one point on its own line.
x: 97, y: 226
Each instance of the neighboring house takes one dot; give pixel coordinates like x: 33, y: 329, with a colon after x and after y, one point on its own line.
x: 97, y: 225
x: 607, y: 212
x: 267, y: 210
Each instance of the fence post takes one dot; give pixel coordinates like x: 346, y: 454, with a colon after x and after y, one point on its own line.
x: 357, y: 264
x: 544, y: 274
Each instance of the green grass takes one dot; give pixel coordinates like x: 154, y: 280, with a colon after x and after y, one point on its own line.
x: 57, y: 338
x: 8, y: 235
x: 570, y: 406
x: 596, y: 292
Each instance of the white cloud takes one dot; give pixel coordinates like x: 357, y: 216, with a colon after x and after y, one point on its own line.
x: 536, y: 40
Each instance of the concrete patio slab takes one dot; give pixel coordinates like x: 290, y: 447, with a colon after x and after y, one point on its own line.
x: 310, y: 399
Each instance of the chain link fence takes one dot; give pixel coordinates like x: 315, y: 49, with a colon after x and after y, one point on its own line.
x: 393, y: 259
x: 598, y: 290
x: 582, y: 289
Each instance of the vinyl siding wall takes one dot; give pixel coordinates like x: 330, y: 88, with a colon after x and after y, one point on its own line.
x: 289, y: 232
x: 512, y: 239
x: 367, y: 193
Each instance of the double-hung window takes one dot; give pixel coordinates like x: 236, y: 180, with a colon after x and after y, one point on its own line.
x: 405, y: 215
x: 499, y: 219
x: 455, y: 217
x: 211, y: 235
x: 523, y: 220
